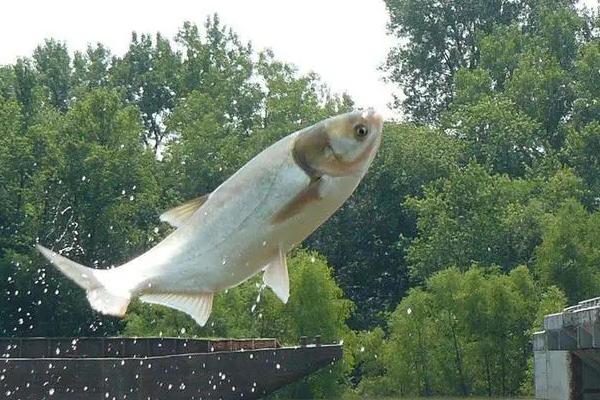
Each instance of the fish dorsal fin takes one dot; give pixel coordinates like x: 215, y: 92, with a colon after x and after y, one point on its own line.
x: 196, y: 305
x: 178, y: 216
x: 276, y: 276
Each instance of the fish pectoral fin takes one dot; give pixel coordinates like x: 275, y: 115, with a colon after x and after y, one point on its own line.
x: 196, y: 305
x: 297, y: 204
x: 276, y: 276
x: 178, y: 216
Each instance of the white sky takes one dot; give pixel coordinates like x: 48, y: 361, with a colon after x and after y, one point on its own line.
x: 344, y: 41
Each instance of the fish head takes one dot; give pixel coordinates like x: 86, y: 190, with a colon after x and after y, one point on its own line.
x: 341, y: 145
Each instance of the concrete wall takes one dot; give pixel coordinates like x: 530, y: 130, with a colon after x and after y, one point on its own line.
x: 553, y: 378
x: 567, y: 375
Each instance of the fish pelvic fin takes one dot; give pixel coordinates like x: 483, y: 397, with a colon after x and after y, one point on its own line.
x: 196, y: 305
x: 276, y: 276
x: 101, y: 298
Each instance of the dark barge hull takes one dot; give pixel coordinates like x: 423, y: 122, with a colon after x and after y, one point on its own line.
x: 153, y: 368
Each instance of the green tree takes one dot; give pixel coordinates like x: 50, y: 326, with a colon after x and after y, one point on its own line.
x: 407, y: 357
x: 53, y: 63
x: 73, y: 181
x: 586, y: 107
x: 473, y: 217
x: 497, y: 134
x: 568, y: 256
x: 148, y: 77
x: 542, y: 89
x: 582, y: 152
x: 436, y: 39
x: 221, y: 68
x: 26, y: 89
x: 463, y: 333
x: 110, y: 179
x: 91, y: 68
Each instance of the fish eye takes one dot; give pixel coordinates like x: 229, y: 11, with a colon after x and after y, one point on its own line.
x: 361, y: 131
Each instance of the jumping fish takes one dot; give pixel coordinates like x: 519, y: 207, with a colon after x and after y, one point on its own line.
x: 245, y: 226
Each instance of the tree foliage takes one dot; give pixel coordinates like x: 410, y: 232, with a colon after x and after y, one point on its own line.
x: 436, y: 39
x: 568, y: 257
x: 476, y: 219
x: 464, y: 333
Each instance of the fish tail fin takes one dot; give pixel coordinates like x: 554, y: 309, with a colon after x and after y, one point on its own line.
x: 95, y: 282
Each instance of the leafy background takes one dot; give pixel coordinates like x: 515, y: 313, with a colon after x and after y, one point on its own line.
x: 479, y: 215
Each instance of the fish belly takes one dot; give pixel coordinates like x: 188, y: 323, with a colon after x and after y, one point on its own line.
x: 233, y: 236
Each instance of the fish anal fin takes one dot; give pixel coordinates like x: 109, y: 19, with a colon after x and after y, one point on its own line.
x: 179, y: 215
x: 196, y: 305
x: 276, y: 276
x: 298, y: 203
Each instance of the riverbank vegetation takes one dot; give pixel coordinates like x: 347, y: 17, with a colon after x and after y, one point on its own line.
x: 479, y: 215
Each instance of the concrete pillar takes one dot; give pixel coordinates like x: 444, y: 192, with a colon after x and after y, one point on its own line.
x: 553, y: 378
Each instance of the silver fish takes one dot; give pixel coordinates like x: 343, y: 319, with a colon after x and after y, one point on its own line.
x: 245, y: 226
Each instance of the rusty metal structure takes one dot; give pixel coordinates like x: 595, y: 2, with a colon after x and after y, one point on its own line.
x: 154, y: 368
